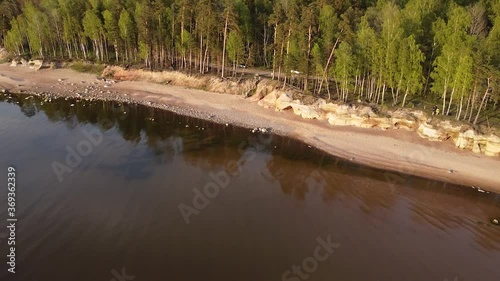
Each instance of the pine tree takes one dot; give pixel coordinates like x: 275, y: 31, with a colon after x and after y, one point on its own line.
x: 127, y: 33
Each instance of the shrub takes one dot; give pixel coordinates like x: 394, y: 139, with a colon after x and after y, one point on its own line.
x: 87, y: 67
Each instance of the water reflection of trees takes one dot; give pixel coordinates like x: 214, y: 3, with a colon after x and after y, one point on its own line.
x: 335, y: 178
x: 207, y: 145
x: 166, y: 134
x: 440, y: 205
x: 451, y: 208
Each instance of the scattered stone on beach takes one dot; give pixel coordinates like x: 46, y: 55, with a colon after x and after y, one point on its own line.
x: 495, y: 222
x: 265, y: 130
x: 451, y: 171
x: 261, y: 130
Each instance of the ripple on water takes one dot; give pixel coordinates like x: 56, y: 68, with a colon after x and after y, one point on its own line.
x: 119, y: 207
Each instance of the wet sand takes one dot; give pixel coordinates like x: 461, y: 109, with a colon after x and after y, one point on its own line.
x: 397, y: 151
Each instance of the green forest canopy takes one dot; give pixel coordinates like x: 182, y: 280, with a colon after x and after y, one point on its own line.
x: 378, y: 51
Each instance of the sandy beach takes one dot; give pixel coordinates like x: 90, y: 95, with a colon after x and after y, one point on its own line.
x: 392, y: 150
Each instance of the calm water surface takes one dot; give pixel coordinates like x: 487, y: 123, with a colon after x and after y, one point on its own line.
x: 114, y: 205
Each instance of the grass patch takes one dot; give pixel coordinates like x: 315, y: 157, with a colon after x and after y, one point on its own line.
x: 87, y: 67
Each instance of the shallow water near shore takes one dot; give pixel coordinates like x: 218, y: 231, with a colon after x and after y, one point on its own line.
x: 106, y: 188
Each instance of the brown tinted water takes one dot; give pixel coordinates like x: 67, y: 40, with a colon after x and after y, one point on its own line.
x: 272, y: 203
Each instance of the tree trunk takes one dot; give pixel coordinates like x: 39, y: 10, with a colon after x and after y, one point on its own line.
x: 383, y: 93
x: 467, y: 108
x: 355, y: 85
x: 444, y: 97
x: 482, y: 102
x: 308, y: 56
x: 460, y: 109
x: 474, y: 94
x: 116, y: 51
x: 265, y: 38
x: 274, y: 51
x: 404, y: 98
x: 224, y: 43
x: 201, y: 53
x: 361, y: 91
x: 325, y: 72
x: 281, y: 59
x: 451, y: 101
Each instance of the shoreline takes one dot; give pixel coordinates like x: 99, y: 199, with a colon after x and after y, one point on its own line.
x: 396, y: 151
